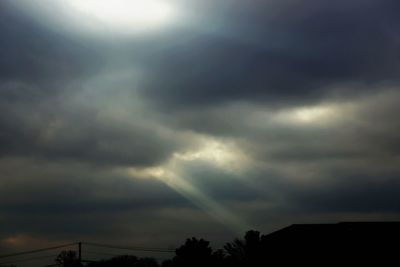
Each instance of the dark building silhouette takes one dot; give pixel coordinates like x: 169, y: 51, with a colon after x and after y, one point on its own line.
x: 341, y: 244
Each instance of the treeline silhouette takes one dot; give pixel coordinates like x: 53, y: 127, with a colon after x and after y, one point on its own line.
x: 194, y: 252
x: 341, y: 244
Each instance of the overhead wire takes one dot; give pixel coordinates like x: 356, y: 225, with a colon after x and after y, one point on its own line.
x: 37, y: 250
x: 22, y: 253
x: 28, y: 259
x: 166, y: 250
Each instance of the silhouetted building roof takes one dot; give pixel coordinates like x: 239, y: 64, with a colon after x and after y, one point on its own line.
x: 347, y: 229
x: 340, y: 243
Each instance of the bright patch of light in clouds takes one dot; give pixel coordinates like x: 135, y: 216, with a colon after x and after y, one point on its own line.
x: 222, y: 154
x: 314, y: 114
x: 124, y: 14
x: 102, y: 17
x: 172, y: 173
x: 318, y: 115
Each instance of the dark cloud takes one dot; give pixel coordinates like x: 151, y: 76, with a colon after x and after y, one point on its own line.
x: 38, y: 67
x: 294, y: 55
x: 277, y: 111
x: 74, y: 199
x: 55, y: 133
x: 361, y: 193
x: 31, y: 54
x: 343, y: 162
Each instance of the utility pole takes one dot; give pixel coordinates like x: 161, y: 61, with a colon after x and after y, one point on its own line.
x: 80, y: 253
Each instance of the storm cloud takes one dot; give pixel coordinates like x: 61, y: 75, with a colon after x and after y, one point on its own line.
x: 279, y: 53
x: 240, y: 114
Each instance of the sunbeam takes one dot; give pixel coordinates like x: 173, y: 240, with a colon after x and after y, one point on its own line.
x: 173, y: 175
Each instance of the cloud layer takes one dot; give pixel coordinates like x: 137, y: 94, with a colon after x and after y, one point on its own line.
x: 256, y: 114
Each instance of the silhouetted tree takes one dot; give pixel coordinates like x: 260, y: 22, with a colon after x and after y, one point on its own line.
x: 167, y: 263
x: 219, y: 258
x: 125, y: 261
x: 247, y: 252
x: 122, y: 261
x: 254, y: 248
x: 147, y: 262
x: 235, y: 252
x: 67, y: 258
x: 193, y: 253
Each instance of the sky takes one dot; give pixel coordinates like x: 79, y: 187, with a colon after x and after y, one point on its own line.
x: 144, y: 123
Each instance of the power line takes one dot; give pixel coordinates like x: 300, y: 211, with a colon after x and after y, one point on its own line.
x: 110, y: 254
x: 101, y: 253
x: 29, y: 259
x: 131, y: 248
x: 37, y: 250
x: 146, y: 249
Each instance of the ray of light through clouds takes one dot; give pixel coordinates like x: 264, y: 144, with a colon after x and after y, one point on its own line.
x: 173, y: 118
x: 172, y: 173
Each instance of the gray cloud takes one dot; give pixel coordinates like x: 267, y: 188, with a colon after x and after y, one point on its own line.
x: 294, y: 55
x: 80, y: 135
x: 277, y: 111
x: 46, y: 59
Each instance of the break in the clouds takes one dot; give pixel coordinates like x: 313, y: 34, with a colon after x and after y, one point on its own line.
x: 205, y: 118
